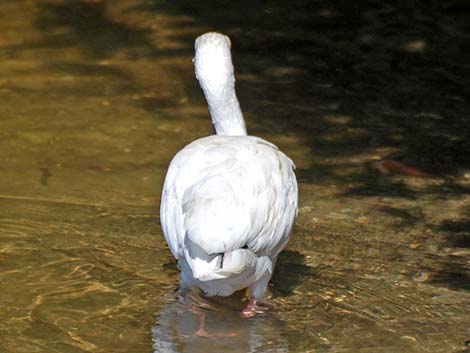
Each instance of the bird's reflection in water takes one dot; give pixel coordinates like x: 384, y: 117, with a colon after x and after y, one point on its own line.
x: 192, y: 323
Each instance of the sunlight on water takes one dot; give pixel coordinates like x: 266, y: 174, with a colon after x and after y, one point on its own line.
x: 97, y: 96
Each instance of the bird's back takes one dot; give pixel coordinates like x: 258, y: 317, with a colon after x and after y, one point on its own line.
x: 228, y: 193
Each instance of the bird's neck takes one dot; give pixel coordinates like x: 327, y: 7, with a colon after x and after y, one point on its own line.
x: 225, y: 111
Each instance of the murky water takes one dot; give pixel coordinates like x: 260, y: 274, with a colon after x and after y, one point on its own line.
x: 95, y: 98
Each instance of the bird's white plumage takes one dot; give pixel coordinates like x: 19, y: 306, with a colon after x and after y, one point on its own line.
x: 229, y: 200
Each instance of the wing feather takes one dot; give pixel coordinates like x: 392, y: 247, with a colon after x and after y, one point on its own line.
x: 227, y: 192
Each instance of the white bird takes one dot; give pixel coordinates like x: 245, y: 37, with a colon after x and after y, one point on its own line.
x: 229, y: 200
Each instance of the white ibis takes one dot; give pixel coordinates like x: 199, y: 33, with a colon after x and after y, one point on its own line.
x: 229, y: 200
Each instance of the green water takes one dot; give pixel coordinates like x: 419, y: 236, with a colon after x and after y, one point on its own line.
x: 95, y: 99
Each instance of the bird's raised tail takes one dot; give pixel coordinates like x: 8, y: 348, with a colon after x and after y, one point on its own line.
x: 223, y: 273
x: 208, y: 267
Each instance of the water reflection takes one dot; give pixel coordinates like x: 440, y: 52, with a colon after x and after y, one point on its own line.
x: 191, y: 323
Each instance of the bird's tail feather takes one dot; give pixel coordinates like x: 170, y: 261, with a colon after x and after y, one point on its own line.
x: 207, y: 267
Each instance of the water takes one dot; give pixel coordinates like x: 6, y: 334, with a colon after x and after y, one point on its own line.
x: 97, y: 96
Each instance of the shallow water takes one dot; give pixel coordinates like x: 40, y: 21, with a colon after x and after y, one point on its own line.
x: 97, y: 96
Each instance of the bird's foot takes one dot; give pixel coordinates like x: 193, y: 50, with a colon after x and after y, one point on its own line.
x: 253, y: 308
